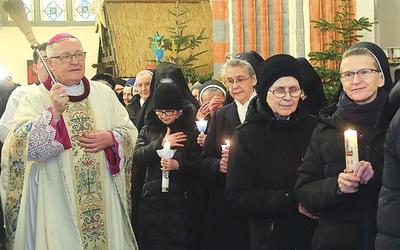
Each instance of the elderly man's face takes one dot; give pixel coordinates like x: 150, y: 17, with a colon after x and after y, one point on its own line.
x: 68, y: 73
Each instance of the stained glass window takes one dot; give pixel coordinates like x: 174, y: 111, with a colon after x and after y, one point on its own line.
x: 53, y: 10
x: 29, y: 9
x: 64, y: 12
x: 82, y: 10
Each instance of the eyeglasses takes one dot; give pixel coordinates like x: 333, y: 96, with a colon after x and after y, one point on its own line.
x: 66, y: 57
x: 164, y: 112
x: 362, y: 73
x: 281, y: 92
x: 240, y: 80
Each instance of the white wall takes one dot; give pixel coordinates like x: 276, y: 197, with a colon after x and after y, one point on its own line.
x: 15, y: 49
x: 389, y: 24
x: 366, y: 8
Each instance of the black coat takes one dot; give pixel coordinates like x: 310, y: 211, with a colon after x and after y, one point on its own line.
x: 169, y: 220
x: 389, y: 199
x: 264, y: 156
x: 347, y: 221
x: 133, y: 108
x: 223, y: 227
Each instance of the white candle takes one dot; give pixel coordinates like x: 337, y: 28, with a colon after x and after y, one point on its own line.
x: 167, y: 145
x: 351, y: 148
x: 165, y: 174
x: 165, y: 181
x: 201, y: 125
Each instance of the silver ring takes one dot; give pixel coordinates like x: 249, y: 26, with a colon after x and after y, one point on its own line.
x: 61, y: 95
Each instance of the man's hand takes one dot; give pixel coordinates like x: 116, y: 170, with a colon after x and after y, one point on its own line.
x: 59, y: 99
x: 96, y: 140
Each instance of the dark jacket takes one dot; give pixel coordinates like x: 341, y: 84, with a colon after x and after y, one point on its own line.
x: 163, y: 70
x: 169, y: 220
x: 223, y: 227
x: 389, y: 199
x: 347, y: 221
x: 133, y: 108
x: 264, y: 156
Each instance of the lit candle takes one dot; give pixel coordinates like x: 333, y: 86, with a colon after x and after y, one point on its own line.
x: 201, y: 125
x: 351, y: 148
x: 224, y: 146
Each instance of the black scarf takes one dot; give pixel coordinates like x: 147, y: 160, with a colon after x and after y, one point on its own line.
x: 364, y: 115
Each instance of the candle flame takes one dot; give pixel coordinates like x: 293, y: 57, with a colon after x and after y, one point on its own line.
x: 227, y: 142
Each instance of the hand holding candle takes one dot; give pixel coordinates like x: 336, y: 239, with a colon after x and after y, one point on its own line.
x: 223, y: 147
x: 223, y: 164
x: 351, y: 149
x: 201, y: 125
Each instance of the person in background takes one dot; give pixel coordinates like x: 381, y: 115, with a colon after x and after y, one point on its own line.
x: 212, y: 97
x: 142, y: 85
x: 64, y: 184
x: 7, y: 86
x: 314, y: 96
x: 105, y: 78
x: 119, y: 87
x: 127, y: 92
x: 14, y: 99
x: 254, y: 59
x: 261, y: 176
x: 6, y: 119
x: 195, y: 90
x: 346, y: 200
x: 169, y: 220
x: 225, y: 228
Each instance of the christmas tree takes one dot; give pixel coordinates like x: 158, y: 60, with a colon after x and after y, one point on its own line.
x: 328, y: 60
x: 180, y: 44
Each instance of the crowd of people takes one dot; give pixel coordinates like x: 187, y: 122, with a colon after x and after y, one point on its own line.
x: 112, y: 164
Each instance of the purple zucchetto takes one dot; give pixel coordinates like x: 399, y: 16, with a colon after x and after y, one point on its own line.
x: 59, y: 37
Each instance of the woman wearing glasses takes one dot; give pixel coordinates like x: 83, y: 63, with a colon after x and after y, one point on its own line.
x: 265, y: 152
x: 346, y: 200
x: 169, y: 220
